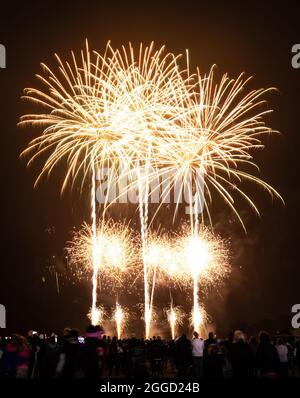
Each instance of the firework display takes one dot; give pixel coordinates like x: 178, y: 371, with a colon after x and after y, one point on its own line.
x: 114, y: 250
x: 175, y: 317
x: 109, y: 250
x: 143, y: 110
x: 120, y: 317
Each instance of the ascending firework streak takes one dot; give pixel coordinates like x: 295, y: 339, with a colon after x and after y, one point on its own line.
x: 158, y: 259
x: 175, y: 317
x: 95, y: 316
x: 199, y: 320
x: 198, y: 258
x: 143, y: 211
x: 172, y: 321
x: 120, y: 316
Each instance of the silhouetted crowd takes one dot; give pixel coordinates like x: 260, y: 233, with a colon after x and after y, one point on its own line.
x: 96, y: 355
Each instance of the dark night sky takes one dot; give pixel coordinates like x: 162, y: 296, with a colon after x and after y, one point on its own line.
x: 255, y: 38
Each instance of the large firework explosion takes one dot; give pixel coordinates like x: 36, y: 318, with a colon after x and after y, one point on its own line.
x: 143, y: 110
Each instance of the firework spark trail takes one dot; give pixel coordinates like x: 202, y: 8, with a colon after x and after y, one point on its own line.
x: 196, y: 306
x: 175, y: 316
x: 143, y: 206
x: 57, y: 284
x: 196, y: 249
x: 148, y: 312
x: 172, y: 320
x: 158, y: 259
x: 200, y: 319
x: 193, y: 210
x: 196, y: 277
x: 95, y: 261
x: 119, y: 317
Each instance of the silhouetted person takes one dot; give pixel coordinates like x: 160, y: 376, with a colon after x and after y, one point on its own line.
x: 210, y: 340
x: 32, y: 340
x: 68, y: 363
x: 138, y: 358
x: 183, y: 355
x: 93, y: 352
x: 253, y: 344
x: 267, y: 359
x: 156, y: 356
x: 114, y: 362
x: 213, y: 365
x: 48, y: 358
x: 241, y: 356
